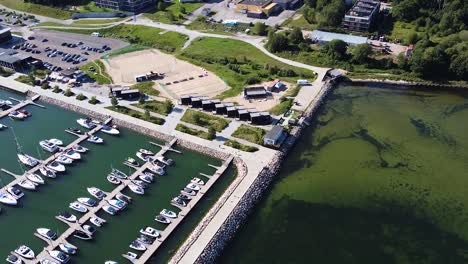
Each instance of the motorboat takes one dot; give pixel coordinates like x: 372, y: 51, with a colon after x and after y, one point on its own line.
x: 123, y: 198
x: 48, y: 261
x: 70, y: 153
x: 7, y: 199
x: 142, y: 184
x: 59, y: 256
x: 95, y: 140
x: 55, y: 166
x: 146, y: 152
x: 197, y: 181
x: 162, y: 219
x: 130, y: 256
x: 66, y: 216
x: 56, y: 141
x: 47, y: 172
x: 146, y: 178
x: 146, y: 240
x: 16, y: 115
x: 189, y: 192
x: 96, y: 192
x: 2, y: 126
x: 184, y: 197
x: 82, y: 235
x: 27, y: 160
x: 156, y: 169
x: 119, y: 205
x: 137, y: 246
x: 15, y: 192
x: 27, y: 184
x: 110, y: 130
x: 110, y: 262
x: 193, y: 186
x: 97, y: 221
x: 64, y: 159
x: 168, y: 213
x: 136, y: 189
x: 13, y: 259
x: 78, y: 207
x: 79, y: 148
x: 35, y: 178
x: 90, y: 202
x: 143, y: 157
x: 109, y: 209
x: 86, y: 123
x: 76, y: 131
x: 149, y: 231
x: 68, y: 248
x: 25, y: 112
x: 87, y: 228
x: 46, y: 233
x: 48, y: 146
x: 112, y: 179
x: 25, y: 252
x: 179, y: 202
x: 119, y: 174
x: 165, y: 161
x: 133, y: 162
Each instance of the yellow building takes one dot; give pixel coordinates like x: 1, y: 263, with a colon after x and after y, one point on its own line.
x: 257, y: 8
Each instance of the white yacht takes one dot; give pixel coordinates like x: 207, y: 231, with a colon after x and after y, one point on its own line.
x: 156, y: 169
x: 27, y: 160
x: 2, y: 126
x: 87, y: 201
x: 47, y: 172
x: 48, y: 146
x: 79, y: 148
x: 146, y: 178
x: 59, y: 256
x: 96, y: 192
x: 82, y: 235
x: 89, y: 229
x: 70, y: 153
x: 64, y: 159
x: 97, y: 221
x: 197, y: 181
x: 185, y: 197
x: 110, y: 130
x: 110, y: 262
x: 109, y: 209
x: 165, y: 161
x: 15, y: 192
x: 55, y: 166
x: 123, y: 198
x: 188, y: 192
x: 142, y: 184
x: 119, y: 205
x: 35, y: 178
x: 179, y: 202
x: 130, y: 256
x: 78, y: 207
x: 68, y: 248
x: 162, y: 219
x: 67, y: 217
x: 48, y: 261
x: 95, y: 139
x: 46, y: 233
x: 118, y: 174
x: 25, y: 252
x: 149, y: 231
x: 86, y: 123
x: 27, y: 184
x: 193, y: 186
x: 136, y: 189
x: 132, y: 162
x: 13, y: 259
x: 56, y: 141
x: 6, y: 198
x: 112, y: 179
x: 146, y: 152
x: 137, y: 246
x: 168, y: 213
x: 17, y: 115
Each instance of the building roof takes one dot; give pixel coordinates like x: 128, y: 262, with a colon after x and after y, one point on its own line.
x: 324, y: 36
x: 4, y: 29
x: 255, y: 2
x: 363, y: 8
x: 231, y: 108
x: 255, y: 91
x: 207, y: 102
x: 12, y: 56
x: 132, y: 91
x: 275, y: 133
x: 243, y: 111
x: 220, y: 105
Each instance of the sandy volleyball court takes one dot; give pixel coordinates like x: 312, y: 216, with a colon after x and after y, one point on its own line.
x: 180, y: 77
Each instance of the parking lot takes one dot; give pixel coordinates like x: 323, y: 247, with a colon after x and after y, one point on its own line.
x: 60, y: 50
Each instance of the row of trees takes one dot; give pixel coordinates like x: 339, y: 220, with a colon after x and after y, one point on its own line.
x: 325, y: 13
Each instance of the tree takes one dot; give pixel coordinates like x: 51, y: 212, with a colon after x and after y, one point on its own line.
x: 277, y: 42
x: 161, y: 6
x: 260, y: 29
x: 68, y: 93
x: 170, y: 16
x: 336, y: 49
x: 411, y: 38
x: 332, y: 13
x: 430, y: 63
x: 296, y: 37
x: 114, y: 101
x: 211, y: 133
x: 45, y: 85
x: 402, y: 62
x: 147, y: 114
x: 459, y: 66
x: 310, y: 3
x: 141, y: 100
x: 309, y: 15
x: 168, y: 105
x: 182, y: 9
x: 93, y: 100
x: 361, y: 53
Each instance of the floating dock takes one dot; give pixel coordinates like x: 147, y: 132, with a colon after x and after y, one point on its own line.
x: 20, y: 105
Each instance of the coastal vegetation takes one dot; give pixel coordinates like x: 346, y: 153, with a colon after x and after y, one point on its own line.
x: 81, y: 97
x: 205, y: 120
x: 237, y: 145
x: 250, y: 133
x: 146, y: 88
x: 97, y: 71
x: 282, y: 107
x: 27, y: 79
x: 172, y: 13
x: 137, y: 114
x: 194, y: 132
x: 5, y: 72
x: 93, y: 100
x: 163, y: 108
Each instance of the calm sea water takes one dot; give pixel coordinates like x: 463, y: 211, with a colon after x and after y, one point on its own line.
x: 381, y: 177
x: 37, y: 209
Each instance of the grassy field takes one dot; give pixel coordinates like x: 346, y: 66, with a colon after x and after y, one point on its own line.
x: 200, y: 24
x: 193, y: 132
x: 235, y: 144
x: 99, y: 75
x: 91, y: 7
x: 136, y: 114
x: 146, y: 88
x: 205, y: 120
x: 177, y: 10
x: 163, y: 108
x: 282, y: 107
x: 37, y: 9
x: 53, y: 24
x: 250, y: 133
x: 299, y: 21
x: 239, y: 63
x: 401, y: 30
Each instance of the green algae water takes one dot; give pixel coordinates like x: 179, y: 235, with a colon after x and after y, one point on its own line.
x: 381, y: 177
x: 39, y: 208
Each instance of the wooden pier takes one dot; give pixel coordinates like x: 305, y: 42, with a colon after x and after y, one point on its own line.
x: 162, y: 146
x: 93, y: 210
x: 185, y: 210
x: 20, y: 105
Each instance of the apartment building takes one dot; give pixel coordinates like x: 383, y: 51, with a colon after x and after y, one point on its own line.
x: 362, y: 15
x: 125, y: 5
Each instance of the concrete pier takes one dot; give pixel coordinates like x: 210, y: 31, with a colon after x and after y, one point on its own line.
x: 20, y: 105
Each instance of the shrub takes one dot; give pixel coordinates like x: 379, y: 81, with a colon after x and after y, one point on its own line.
x: 93, y: 100
x: 80, y: 97
x: 68, y: 93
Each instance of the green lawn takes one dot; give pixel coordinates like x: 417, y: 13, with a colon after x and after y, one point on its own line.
x: 37, y: 9
x: 146, y: 88
x: 136, y: 114
x: 250, y: 133
x: 163, y: 108
x: 205, y: 120
x: 193, y: 132
x: 237, y: 145
x: 97, y: 21
x: 239, y: 63
x: 99, y: 75
x: 54, y: 24
x: 201, y: 24
x: 178, y: 16
x: 401, y: 30
x: 282, y: 107
x: 91, y: 7
x: 299, y: 21
x: 25, y: 79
